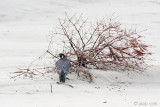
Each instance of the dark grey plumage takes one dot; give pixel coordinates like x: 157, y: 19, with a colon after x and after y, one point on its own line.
x: 63, y: 66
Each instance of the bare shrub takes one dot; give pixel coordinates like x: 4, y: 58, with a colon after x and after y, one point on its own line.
x: 101, y: 45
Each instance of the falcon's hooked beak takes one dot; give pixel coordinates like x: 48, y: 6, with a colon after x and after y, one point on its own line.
x: 58, y: 55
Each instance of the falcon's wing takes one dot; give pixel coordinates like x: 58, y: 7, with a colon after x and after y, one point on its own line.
x: 63, y: 65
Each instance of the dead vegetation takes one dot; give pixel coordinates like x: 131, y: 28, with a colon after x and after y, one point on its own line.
x: 100, y: 45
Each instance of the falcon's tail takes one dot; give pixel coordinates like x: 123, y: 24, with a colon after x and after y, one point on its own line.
x: 62, y: 77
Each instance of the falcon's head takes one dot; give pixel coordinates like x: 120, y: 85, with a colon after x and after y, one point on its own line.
x: 61, y: 55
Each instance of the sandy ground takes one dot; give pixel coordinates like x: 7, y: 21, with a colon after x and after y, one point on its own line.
x: 24, y: 29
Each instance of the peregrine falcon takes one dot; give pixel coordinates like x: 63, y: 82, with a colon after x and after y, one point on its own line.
x: 63, y: 66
